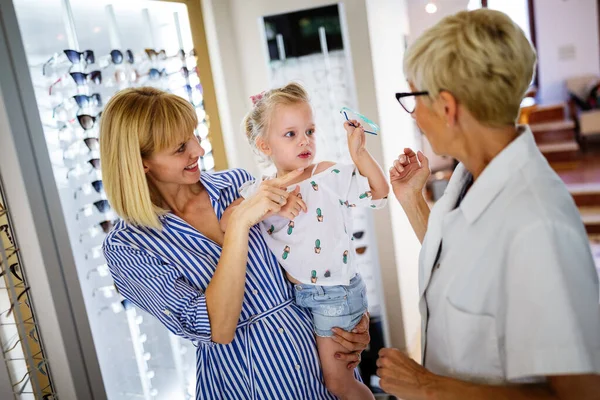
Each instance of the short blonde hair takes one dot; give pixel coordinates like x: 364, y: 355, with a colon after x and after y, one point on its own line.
x: 135, y: 124
x: 482, y: 57
x: 256, y: 122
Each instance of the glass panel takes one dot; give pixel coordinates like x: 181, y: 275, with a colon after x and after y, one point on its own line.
x: 138, y: 357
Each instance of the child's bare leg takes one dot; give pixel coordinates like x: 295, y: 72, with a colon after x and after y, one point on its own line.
x: 338, y: 378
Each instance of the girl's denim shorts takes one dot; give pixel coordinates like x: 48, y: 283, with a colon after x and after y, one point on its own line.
x: 334, y: 306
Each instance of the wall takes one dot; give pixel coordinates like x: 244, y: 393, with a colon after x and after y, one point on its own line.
x: 560, y: 24
x: 420, y: 20
x: 387, y: 43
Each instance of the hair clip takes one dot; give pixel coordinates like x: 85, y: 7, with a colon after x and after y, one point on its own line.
x: 257, y: 97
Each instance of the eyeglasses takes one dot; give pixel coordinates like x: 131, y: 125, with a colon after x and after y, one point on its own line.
x: 4, y: 228
x: 74, y: 56
x: 156, y: 74
x: 153, y: 54
x: 358, y: 235
x: 13, y: 270
x: 101, y: 205
x: 85, y: 189
x: 116, y: 56
x: 408, y: 100
x: 87, y: 121
x: 80, y: 79
x: 368, y: 123
x: 84, y: 101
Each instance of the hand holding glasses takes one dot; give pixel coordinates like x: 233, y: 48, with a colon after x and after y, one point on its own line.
x: 370, y: 126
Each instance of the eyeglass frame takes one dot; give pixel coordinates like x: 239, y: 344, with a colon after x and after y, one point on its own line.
x: 402, y: 95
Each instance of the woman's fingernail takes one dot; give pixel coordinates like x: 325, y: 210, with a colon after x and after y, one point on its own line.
x: 354, y: 331
x: 338, y: 356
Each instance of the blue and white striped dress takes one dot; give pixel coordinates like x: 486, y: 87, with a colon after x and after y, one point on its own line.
x: 273, y: 354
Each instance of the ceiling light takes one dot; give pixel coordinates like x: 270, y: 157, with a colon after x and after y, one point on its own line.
x: 431, y: 7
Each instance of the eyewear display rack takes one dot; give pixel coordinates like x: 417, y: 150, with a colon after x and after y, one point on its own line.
x: 24, y: 364
x: 138, y: 357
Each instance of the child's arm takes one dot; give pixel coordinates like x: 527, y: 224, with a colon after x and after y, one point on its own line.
x: 366, y: 164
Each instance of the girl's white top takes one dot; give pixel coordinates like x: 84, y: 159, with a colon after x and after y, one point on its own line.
x: 316, y: 248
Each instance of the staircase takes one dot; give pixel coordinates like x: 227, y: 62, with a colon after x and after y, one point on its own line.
x: 556, y: 137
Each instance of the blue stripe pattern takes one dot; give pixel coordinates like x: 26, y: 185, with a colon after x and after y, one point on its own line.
x: 273, y: 354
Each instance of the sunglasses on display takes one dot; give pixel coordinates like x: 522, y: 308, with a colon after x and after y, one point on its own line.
x: 358, y: 235
x: 181, y: 54
x: 81, y: 100
x: 74, y: 56
x: 103, y: 226
x: 80, y: 79
x: 156, y: 74
x: 4, y: 228
x: 87, y: 189
x: 153, y: 54
x: 95, y: 163
x: 186, y: 72
x: 18, y: 301
x: 117, y: 57
x: 10, y: 252
x: 13, y: 270
x: 87, y: 121
x: 101, y: 205
x: 84, y: 101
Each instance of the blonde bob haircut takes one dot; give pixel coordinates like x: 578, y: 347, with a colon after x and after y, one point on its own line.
x: 135, y: 124
x: 481, y: 57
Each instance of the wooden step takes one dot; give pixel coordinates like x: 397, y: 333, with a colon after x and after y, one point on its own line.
x: 547, y: 113
x: 563, y: 151
x: 553, y: 132
x: 591, y: 219
x: 586, y: 194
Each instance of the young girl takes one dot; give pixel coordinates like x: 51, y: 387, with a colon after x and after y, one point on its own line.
x: 311, y: 235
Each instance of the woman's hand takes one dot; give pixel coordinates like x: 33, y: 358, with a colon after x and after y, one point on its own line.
x: 356, y: 138
x: 409, y: 174
x: 270, y: 199
x: 293, y: 206
x: 401, y: 376
x: 355, y: 342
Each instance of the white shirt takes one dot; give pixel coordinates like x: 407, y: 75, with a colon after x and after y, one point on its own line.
x: 315, y: 248
x: 514, y: 294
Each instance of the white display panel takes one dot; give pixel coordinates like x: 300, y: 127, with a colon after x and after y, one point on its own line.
x: 138, y: 357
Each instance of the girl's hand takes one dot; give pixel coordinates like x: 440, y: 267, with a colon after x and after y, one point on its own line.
x: 269, y: 200
x: 356, y: 138
x: 409, y: 174
x: 293, y: 206
x: 355, y: 342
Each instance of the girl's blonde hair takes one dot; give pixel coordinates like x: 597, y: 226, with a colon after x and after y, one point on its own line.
x: 482, y: 57
x: 256, y: 122
x: 135, y: 124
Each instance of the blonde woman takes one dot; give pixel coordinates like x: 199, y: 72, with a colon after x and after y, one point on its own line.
x: 169, y: 256
x: 509, y: 292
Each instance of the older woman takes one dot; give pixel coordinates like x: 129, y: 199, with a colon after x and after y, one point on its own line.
x: 509, y: 292
x: 168, y: 255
